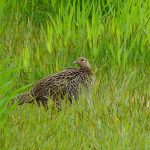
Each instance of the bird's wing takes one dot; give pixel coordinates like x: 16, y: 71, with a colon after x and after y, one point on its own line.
x: 54, y: 84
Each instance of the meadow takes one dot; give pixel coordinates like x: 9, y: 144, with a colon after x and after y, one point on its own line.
x: 42, y: 37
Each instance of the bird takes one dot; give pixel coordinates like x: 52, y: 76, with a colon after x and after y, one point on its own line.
x: 69, y: 83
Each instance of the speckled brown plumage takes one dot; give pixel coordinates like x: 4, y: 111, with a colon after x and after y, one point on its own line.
x: 67, y: 84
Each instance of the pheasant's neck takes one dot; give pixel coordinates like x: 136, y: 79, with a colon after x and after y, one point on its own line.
x: 87, y: 69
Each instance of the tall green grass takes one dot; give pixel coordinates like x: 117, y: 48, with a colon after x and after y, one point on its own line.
x: 39, y: 38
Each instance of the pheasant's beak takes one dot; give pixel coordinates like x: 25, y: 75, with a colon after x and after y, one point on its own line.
x: 75, y: 62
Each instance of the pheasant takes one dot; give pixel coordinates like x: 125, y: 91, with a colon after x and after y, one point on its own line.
x: 67, y: 84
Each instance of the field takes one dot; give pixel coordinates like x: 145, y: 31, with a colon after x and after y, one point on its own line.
x: 40, y: 38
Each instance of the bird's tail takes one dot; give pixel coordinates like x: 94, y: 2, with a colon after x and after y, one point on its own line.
x: 23, y: 98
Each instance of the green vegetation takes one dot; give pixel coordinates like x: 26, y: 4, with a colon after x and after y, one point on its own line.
x: 41, y: 37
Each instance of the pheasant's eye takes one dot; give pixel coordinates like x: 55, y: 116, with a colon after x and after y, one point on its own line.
x: 82, y: 60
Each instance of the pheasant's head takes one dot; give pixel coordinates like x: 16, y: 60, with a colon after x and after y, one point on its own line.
x: 83, y: 63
